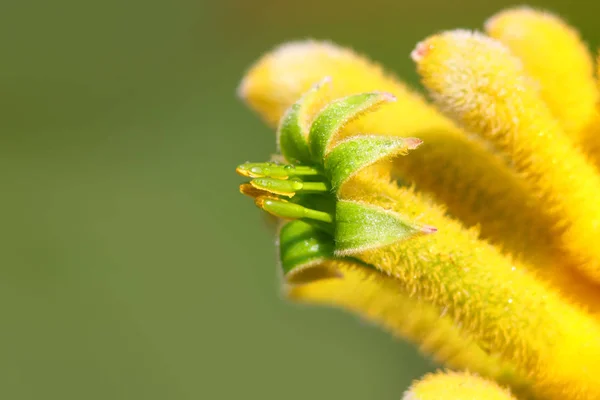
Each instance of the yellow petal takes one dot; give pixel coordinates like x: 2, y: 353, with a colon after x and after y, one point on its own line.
x: 456, y: 386
x: 382, y: 300
x: 278, y: 79
x: 482, y: 85
x: 554, y: 55
x: 505, y: 309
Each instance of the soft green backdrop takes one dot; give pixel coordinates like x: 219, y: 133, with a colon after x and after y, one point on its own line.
x: 130, y: 267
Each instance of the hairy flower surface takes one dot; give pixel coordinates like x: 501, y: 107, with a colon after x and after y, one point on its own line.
x: 467, y: 227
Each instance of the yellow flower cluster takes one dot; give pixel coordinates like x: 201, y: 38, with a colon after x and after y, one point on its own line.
x: 508, y: 288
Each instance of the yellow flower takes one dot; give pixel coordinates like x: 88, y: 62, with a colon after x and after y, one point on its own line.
x: 503, y: 165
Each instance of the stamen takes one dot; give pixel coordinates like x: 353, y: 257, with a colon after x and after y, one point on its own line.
x: 248, y: 190
x: 283, y: 209
x: 272, y: 170
x: 288, y: 187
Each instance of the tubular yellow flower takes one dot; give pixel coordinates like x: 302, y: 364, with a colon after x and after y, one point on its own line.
x: 383, y: 300
x: 484, y: 255
x: 455, y: 386
x: 482, y: 85
x: 554, y: 55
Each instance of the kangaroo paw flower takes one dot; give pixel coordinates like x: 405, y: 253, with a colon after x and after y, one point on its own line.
x: 484, y: 255
x: 496, y: 201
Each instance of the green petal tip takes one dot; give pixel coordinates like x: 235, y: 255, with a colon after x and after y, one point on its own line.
x: 361, y: 226
x: 293, y: 130
x: 337, y: 114
x: 351, y: 155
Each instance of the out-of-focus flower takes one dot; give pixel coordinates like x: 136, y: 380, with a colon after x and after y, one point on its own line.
x: 467, y: 227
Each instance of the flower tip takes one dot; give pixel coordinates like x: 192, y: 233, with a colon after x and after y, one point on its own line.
x: 455, y: 64
x: 326, y: 80
x: 388, y: 97
x: 262, y: 201
x: 429, y: 229
x: 420, y: 51
x: 442, y: 41
x: 462, y: 39
x: 248, y: 190
x: 501, y: 16
x: 515, y: 18
x: 242, y: 170
x: 413, y: 143
x: 456, y: 385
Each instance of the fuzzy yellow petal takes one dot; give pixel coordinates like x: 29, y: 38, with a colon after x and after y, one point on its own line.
x: 482, y: 85
x: 456, y: 386
x: 555, y: 56
x: 381, y: 299
x: 482, y: 191
x: 278, y: 79
x: 497, y: 301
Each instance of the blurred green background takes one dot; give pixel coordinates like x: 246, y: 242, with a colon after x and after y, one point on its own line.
x: 131, y: 268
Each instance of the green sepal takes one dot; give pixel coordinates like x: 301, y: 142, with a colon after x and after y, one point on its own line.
x: 351, y: 155
x: 302, y: 245
x: 336, y: 114
x: 292, y: 133
x: 362, y: 226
